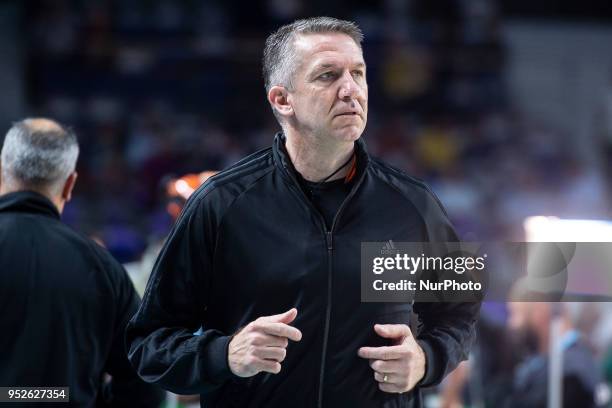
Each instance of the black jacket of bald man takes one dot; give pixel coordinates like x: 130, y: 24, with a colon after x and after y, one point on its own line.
x: 65, y: 303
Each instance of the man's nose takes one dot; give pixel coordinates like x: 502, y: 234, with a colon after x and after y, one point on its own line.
x: 349, y: 89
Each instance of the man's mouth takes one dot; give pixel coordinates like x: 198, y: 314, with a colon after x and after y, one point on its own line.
x: 348, y: 114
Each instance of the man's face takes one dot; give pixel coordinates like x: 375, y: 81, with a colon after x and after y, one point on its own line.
x: 526, y: 320
x: 518, y: 316
x: 330, y: 93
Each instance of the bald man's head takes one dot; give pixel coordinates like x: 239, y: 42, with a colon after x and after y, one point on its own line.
x: 38, y: 154
x: 42, y: 125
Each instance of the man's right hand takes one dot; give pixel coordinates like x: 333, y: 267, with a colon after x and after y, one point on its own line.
x: 262, y: 344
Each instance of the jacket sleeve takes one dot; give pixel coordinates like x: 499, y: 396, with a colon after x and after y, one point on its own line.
x: 125, y: 388
x: 446, y: 329
x: 446, y: 333
x: 162, y: 345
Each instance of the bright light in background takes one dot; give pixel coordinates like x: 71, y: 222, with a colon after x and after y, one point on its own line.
x: 589, y: 271
x: 553, y: 229
x: 183, y: 188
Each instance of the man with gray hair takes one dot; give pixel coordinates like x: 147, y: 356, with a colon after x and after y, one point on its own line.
x: 265, y: 257
x: 65, y: 300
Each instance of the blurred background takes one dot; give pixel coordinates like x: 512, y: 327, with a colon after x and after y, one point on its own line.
x: 503, y: 107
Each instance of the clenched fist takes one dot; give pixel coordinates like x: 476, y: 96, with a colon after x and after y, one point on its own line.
x: 262, y: 344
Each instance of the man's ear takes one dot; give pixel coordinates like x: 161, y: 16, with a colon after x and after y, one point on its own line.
x: 278, y: 96
x: 69, y: 186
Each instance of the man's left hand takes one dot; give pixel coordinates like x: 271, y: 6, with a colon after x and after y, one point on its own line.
x: 399, y: 367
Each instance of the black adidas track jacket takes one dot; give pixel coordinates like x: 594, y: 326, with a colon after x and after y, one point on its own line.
x: 249, y: 243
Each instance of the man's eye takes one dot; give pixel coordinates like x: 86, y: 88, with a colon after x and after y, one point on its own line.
x: 326, y: 75
x: 357, y: 74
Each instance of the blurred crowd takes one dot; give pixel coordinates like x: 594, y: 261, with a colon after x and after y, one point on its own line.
x: 161, y: 88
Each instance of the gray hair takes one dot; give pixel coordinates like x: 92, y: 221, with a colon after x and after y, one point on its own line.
x: 279, y: 58
x: 38, y: 154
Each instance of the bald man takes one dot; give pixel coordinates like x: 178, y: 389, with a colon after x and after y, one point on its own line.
x: 65, y: 301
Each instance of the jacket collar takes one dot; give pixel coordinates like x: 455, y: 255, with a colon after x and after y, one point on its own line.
x: 284, y: 164
x: 28, y: 202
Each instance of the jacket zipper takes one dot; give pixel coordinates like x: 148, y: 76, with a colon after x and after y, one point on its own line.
x: 329, y: 239
x: 329, y: 243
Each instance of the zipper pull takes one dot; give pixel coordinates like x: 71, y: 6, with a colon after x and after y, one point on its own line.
x: 328, y: 238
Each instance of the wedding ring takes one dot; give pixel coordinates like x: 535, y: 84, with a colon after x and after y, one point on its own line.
x: 385, y: 378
